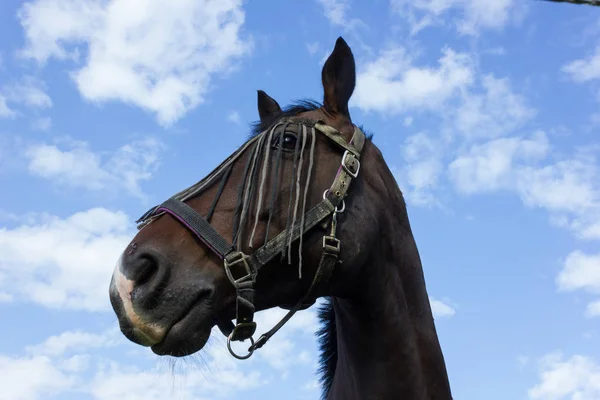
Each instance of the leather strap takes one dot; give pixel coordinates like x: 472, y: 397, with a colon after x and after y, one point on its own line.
x: 198, y: 225
x: 242, y: 269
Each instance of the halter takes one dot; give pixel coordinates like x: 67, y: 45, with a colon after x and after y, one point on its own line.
x: 242, y: 269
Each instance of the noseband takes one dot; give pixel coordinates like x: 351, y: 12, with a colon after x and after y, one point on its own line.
x: 242, y: 269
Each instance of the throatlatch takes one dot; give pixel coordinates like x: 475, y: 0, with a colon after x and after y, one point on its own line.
x: 242, y: 269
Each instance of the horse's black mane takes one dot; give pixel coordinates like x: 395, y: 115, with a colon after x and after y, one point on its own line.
x: 296, y: 107
x: 327, y: 337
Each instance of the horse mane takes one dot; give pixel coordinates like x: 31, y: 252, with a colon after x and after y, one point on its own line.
x: 296, y: 107
x: 327, y: 337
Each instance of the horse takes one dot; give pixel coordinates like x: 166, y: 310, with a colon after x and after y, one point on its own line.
x: 305, y: 209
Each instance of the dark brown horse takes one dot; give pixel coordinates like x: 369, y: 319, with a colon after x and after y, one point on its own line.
x: 306, y: 208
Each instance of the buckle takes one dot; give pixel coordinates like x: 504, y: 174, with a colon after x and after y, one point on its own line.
x: 331, y: 244
x: 243, y: 331
x: 232, y: 337
x: 353, y: 166
x: 235, y: 259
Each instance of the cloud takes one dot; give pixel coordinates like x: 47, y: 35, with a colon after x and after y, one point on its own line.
x: 581, y: 271
x: 42, y: 124
x: 234, y: 117
x: 490, y: 166
x: 475, y: 15
x: 392, y: 84
x: 29, y: 91
x: 593, y: 309
x: 159, y: 56
x: 64, y: 363
x: 336, y: 11
x: 441, y: 309
x: 5, y: 110
x: 575, y: 378
x: 586, y: 69
x: 114, y: 380
x: 32, y: 378
x: 568, y: 189
x: 63, y: 263
x: 496, y: 111
x: 312, y: 48
x: 281, y: 352
x: 78, y: 166
x: 75, y: 342
x: 421, y: 169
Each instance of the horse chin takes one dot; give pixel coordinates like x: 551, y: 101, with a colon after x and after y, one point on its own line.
x: 188, y: 335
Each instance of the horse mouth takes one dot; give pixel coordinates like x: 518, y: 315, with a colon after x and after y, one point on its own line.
x: 188, y: 335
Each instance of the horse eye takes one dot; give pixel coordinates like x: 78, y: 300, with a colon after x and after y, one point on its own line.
x: 289, y: 141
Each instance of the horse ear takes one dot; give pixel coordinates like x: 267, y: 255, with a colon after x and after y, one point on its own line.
x: 267, y: 106
x: 339, y: 78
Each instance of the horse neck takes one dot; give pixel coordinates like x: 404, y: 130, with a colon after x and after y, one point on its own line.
x: 387, y: 344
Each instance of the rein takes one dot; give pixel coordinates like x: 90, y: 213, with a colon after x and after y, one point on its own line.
x: 242, y: 269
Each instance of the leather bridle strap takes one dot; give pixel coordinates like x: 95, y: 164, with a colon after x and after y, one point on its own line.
x: 195, y: 223
x: 331, y: 244
x: 242, y: 269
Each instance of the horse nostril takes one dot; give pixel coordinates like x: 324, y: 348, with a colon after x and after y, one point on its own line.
x: 148, y: 276
x: 142, y: 269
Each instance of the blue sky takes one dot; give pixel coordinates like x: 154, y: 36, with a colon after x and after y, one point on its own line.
x: 486, y: 111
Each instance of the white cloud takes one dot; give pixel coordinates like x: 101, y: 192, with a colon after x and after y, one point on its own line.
x: 495, y: 112
x: 160, y: 56
x: 42, y: 124
x: 64, y: 263
x: 114, y: 380
x: 234, y: 117
x: 575, y: 378
x: 475, y: 15
x: 568, y: 189
x: 336, y: 11
x: 29, y: 91
x: 441, y: 309
x: 593, y: 309
x: 584, y: 70
x: 75, y: 341
x: 523, y: 360
x: 5, y: 297
x: 63, y: 364
x: 490, y: 166
x: 281, y: 352
x: 392, y: 84
x: 312, y: 48
x: 581, y: 271
x: 5, y: 110
x: 32, y: 378
x: 78, y: 166
x: 421, y: 169
x: 564, y: 186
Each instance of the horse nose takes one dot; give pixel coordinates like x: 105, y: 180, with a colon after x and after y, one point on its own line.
x: 141, y: 269
x: 147, y: 276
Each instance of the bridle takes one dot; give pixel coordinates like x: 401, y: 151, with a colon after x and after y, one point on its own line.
x: 242, y: 269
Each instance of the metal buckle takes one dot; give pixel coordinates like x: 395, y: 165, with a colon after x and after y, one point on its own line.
x: 331, y: 243
x: 243, y: 331
x: 250, y: 350
x: 350, y: 172
x: 337, y: 210
x: 238, y: 258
